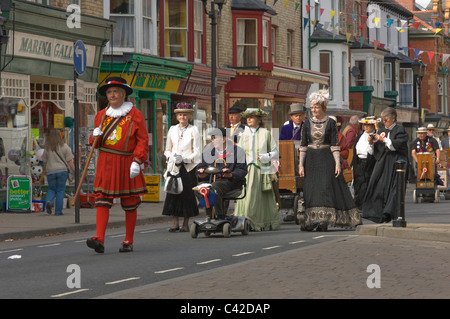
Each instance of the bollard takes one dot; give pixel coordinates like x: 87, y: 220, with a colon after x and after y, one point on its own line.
x: 400, y: 171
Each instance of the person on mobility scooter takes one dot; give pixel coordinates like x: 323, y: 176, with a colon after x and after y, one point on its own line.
x: 228, y: 175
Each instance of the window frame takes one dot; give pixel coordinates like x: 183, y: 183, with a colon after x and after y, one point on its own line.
x: 259, y: 16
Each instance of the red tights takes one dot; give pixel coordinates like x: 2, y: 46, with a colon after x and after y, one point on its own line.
x: 102, y: 222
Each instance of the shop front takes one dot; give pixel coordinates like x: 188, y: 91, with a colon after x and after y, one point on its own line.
x: 37, y: 84
x: 154, y: 81
x: 272, y: 89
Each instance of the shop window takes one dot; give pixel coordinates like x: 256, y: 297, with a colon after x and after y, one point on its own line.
x: 406, y: 87
x: 360, y: 80
x: 246, y: 43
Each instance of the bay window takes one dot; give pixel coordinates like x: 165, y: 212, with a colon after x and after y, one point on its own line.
x: 135, y: 28
x: 175, y: 26
x: 406, y: 87
x: 246, y: 43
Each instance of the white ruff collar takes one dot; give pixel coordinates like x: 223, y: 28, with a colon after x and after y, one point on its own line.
x: 121, y: 111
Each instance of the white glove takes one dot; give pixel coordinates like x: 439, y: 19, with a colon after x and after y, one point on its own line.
x: 135, y: 169
x: 97, y: 131
x: 264, y: 158
x: 178, y: 159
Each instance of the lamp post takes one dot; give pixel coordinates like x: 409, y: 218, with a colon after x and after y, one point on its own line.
x: 213, y: 14
x: 418, y: 72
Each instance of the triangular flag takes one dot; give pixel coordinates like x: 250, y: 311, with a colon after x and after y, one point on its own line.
x: 286, y: 2
x: 296, y: 6
x: 332, y: 12
x: 389, y: 21
x: 416, y: 53
x: 376, y: 20
x: 430, y: 56
x: 361, y: 26
x: 375, y: 44
x: 417, y: 23
x: 403, y: 22
x: 445, y: 56
x: 307, y: 9
x: 305, y: 22
x: 353, y: 17
x: 326, y: 25
x: 438, y: 30
x: 321, y: 11
x: 348, y: 35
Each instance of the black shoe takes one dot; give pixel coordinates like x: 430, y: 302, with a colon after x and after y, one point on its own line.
x: 48, y: 208
x: 126, y: 248
x: 96, y: 244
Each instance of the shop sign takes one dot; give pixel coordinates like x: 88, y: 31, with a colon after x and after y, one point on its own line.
x: 152, y: 182
x: 19, y: 193
x: 45, y: 48
x: 277, y: 86
x: 149, y: 82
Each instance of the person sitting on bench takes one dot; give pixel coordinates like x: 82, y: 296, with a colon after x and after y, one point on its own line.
x: 230, y: 159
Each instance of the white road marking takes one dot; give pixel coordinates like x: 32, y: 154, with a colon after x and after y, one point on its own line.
x: 208, y: 261
x: 243, y: 254
x: 49, y: 245
x: 69, y: 293
x: 296, y: 242
x: 15, y: 257
x: 269, y: 248
x: 148, y: 231
x: 168, y: 270
x: 120, y: 281
x: 114, y: 236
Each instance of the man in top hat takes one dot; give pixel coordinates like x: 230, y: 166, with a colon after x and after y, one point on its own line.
x: 123, y: 148
x: 446, y: 141
x: 236, y: 127
x: 293, y: 130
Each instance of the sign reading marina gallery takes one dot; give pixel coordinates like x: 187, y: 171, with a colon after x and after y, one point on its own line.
x: 45, y: 48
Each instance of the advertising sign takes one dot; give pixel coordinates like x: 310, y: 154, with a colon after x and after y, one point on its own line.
x: 19, y: 193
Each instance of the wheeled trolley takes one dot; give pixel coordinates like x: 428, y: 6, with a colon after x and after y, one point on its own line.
x: 426, y: 187
x: 290, y: 184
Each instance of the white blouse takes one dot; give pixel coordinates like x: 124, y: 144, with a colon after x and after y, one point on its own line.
x: 185, y: 142
x: 363, y: 148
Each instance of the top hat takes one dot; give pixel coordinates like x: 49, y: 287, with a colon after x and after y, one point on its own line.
x: 115, y: 81
x: 254, y: 111
x: 184, y: 107
x: 235, y: 109
x: 421, y: 130
x: 296, y: 108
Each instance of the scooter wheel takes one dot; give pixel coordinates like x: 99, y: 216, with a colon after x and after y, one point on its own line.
x: 194, y: 230
x: 246, y: 228
x: 226, y: 230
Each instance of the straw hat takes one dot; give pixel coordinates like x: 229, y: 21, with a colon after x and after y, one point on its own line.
x: 430, y: 127
x: 421, y: 130
x: 254, y: 111
x: 184, y: 107
x: 368, y: 120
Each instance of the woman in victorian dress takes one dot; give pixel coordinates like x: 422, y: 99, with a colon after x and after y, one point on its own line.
x: 328, y: 200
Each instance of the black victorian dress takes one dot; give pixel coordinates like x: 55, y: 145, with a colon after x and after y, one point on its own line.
x: 328, y: 200
x: 381, y: 198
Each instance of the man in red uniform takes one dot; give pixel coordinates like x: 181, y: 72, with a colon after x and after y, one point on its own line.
x: 123, y: 148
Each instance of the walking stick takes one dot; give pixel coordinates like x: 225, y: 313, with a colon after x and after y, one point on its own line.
x: 94, y: 144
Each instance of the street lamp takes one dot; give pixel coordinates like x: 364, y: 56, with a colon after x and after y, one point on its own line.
x: 213, y: 15
x: 418, y: 71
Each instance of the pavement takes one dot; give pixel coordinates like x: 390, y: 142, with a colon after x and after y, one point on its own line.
x: 379, y: 261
